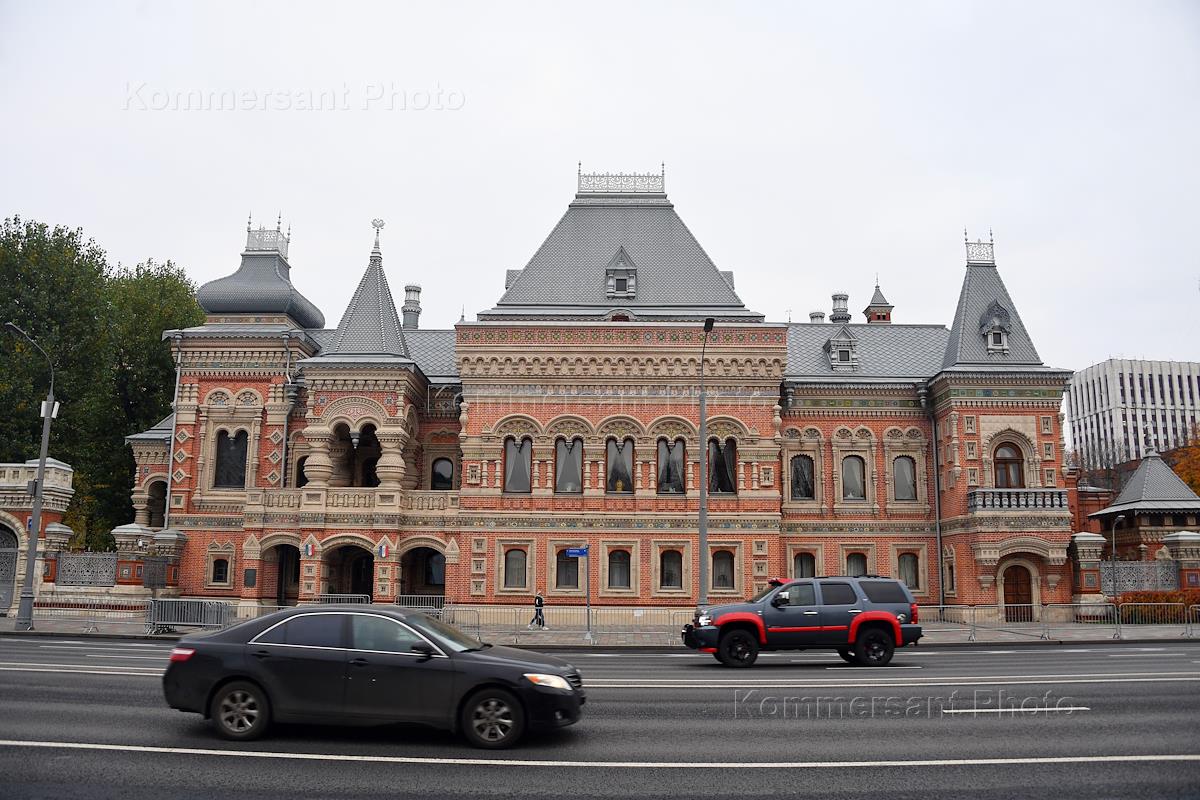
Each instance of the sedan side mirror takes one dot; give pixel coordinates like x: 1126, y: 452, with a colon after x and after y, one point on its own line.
x: 424, y: 648
x: 781, y: 599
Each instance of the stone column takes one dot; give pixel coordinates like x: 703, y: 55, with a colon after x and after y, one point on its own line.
x: 391, y: 467
x: 141, y: 508
x: 318, y: 468
x: 1089, y: 548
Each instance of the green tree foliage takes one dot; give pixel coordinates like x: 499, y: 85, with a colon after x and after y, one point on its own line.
x: 114, y: 375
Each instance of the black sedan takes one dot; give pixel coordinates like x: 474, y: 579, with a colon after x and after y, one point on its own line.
x: 368, y: 665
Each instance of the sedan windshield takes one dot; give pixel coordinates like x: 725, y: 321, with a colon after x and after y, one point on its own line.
x: 448, y: 635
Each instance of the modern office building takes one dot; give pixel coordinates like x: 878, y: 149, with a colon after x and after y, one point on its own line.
x: 1120, y: 409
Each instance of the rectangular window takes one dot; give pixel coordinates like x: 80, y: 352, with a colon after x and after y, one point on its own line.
x: 568, y: 466
x: 1050, y: 477
x: 566, y: 573
x: 970, y: 424
x: 620, y: 467
x: 1048, y: 450
x: 802, y: 478
x: 883, y: 591
x: 518, y: 464
x: 843, y: 355
x: 904, y: 478
x: 838, y: 594
x: 1048, y: 425
x: 670, y: 467
x: 722, y: 467
x: 972, y: 451
x: 622, y: 284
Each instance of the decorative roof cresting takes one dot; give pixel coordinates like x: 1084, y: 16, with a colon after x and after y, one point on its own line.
x: 622, y: 182
x: 979, y: 251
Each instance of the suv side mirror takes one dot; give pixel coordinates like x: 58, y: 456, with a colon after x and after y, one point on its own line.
x: 781, y: 599
x: 424, y: 648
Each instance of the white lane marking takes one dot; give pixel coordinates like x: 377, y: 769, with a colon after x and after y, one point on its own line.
x: 77, y: 649
x: 923, y: 684
x: 856, y: 669
x: 82, y: 671
x: 1014, y: 711
x: 1146, y: 655
x: 521, y: 762
x: 161, y: 658
x: 723, y: 681
x: 19, y: 664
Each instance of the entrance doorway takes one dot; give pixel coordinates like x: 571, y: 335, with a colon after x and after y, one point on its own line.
x: 1018, y: 594
x: 351, y: 570
x: 423, y: 571
x: 8, y: 568
x: 286, y: 558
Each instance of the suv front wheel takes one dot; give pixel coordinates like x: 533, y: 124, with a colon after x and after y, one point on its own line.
x: 874, y: 648
x: 737, y: 649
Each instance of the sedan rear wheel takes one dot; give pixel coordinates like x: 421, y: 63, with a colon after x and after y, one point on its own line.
x: 240, y: 711
x: 492, y: 719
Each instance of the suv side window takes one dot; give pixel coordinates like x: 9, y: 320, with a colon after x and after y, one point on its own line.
x: 802, y: 594
x: 316, y: 630
x: 381, y: 634
x: 834, y: 593
x: 884, y: 591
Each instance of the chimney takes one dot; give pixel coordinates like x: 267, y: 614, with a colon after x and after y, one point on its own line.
x: 841, y: 304
x: 411, y: 309
x: 816, y: 316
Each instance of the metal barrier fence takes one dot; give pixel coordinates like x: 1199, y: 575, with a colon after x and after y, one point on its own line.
x: 164, y: 616
x: 421, y: 602
x: 1057, y: 620
x: 1171, y: 615
x: 246, y: 613
x: 91, y: 611
x: 343, y: 598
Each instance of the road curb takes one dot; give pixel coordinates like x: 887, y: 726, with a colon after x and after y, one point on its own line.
x: 161, y: 637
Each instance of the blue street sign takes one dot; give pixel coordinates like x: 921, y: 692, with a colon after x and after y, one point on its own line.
x: 577, y: 552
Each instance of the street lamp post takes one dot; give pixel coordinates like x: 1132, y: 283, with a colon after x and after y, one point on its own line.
x: 702, y: 598
x: 1113, y: 554
x: 25, y: 609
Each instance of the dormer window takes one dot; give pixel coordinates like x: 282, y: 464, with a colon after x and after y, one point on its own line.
x: 844, y: 356
x: 995, y: 324
x: 621, y: 276
x: 842, y: 348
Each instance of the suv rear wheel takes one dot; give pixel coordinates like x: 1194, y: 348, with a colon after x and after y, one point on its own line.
x: 737, y: 649
x: 874, y: 648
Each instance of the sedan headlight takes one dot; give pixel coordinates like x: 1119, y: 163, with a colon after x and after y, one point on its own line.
x: 549, y: 681
x: 704, y: 619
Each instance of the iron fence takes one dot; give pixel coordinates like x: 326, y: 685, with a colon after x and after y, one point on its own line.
x: 342, y: 598
x: 421, y: 602
x: 90, y: 611
x: 1167, y: 615
x: 86, y: 569
x: 164, y: 616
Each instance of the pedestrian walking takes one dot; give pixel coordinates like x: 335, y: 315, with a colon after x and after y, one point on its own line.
x: 539, y: 618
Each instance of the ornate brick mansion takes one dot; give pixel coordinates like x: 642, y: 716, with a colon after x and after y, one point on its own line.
x: 382, y: 458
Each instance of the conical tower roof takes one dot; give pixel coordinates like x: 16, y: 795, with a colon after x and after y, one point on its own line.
x: 1154, y: 487
x: 371, y: 325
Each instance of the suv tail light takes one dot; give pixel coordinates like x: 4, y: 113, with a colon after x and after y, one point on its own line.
x: 182, y: 653
x: 913, y: 616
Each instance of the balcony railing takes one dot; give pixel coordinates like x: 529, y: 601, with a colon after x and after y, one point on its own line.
x: 350, y: 499
x: 1017, y: 499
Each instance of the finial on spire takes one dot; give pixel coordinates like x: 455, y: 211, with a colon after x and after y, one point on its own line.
x: 991, y: 239
x: 249, y: 221
x: 965, y: 237
x: 279, y: 222
x: 378, y: 225
x: 463, y: 316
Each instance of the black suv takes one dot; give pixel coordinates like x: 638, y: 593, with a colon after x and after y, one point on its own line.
x: 864, y: 619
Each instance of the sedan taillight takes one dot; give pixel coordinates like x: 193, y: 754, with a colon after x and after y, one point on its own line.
x: 182, y: 653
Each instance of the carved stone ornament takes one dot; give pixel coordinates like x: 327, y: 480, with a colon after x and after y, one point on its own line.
x: 218, y: 399
x: 247, y: 398
x: 516, y: 427
x: 618, y: 429
x: 844, y: 433
x: 671, y: 430
x: 996, y: 317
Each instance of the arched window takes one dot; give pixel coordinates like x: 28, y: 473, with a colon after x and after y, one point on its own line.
x: 854, y: 485
x: 618, y: 569
x: 514, y: 569
x: 301, y: 478
x: 670, y: 467
x: 220, y: 570
x: 909, y: 566
x: 803, y: 487
x: 722, y: 570
x: 856, y: 565
x: 568, y: 466
x: 804, y: 565
x: 231, y: 461
x: 670, y: 569
x: 156, y: 503
x: 722, y: 466
x: 904, y: 476
x: 566, y: 570
x: 441, y: 474
x: 518, y: 465
x: 435, y: 569
x: 620, y: 467
x: 1010, y: 472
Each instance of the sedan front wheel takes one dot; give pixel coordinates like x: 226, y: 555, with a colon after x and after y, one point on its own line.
x: 492, y: 719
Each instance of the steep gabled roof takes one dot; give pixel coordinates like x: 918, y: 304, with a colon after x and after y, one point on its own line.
x: 983, y: 296
x: 565, y: 278
x: 1154, y: 487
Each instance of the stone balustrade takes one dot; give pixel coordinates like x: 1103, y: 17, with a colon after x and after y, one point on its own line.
x: 1017, y: 499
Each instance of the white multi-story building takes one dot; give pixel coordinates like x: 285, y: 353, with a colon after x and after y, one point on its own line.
x: 1121, y: 408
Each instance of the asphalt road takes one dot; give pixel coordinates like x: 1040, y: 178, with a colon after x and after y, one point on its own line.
x: 86, y: 719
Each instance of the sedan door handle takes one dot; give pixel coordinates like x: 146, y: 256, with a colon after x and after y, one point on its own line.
x: 262, y: 654
x: 358, y: 662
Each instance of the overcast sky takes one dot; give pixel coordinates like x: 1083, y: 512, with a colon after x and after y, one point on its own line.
x: 808, y: 146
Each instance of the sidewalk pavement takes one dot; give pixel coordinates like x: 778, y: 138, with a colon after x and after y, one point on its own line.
x: 662, y: 638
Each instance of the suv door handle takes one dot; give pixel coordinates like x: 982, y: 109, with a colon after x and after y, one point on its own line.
x: 810, y: 613
x: 854, y: 611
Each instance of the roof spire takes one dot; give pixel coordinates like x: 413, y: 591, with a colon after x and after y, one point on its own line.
x: 249, y: 221
x: 378, y: 225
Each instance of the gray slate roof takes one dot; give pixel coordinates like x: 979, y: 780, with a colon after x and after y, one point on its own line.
x: 370, y: 326
x: 161, y: 432
x: 878, y: 299
x: 888, y: 352
x: 1154, y: 487
x: 261, y: 285
x: 433, y: 351
x: 967, y: 347
x: 566, y: 276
